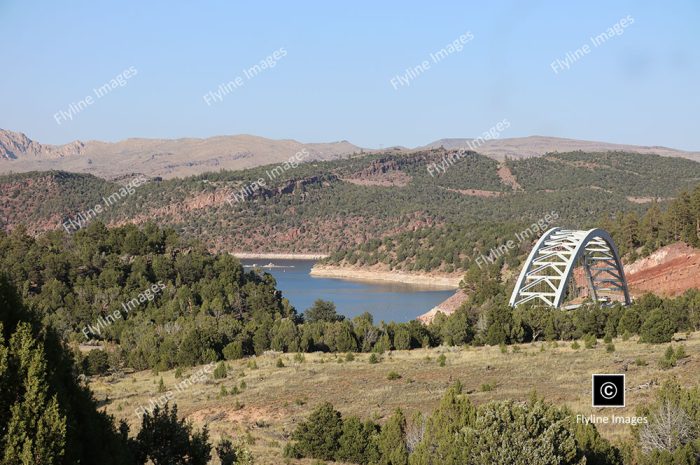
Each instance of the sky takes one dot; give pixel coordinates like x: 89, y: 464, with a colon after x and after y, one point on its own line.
x: 332, y: 74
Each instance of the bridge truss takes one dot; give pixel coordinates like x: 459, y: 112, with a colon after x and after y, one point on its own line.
x: 547, y: 273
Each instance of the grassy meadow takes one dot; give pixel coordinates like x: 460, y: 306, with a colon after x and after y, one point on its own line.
x: 264, y: 401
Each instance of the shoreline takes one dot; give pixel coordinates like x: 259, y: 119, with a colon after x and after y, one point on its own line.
x: 278, y: 256
x: 442, y: 282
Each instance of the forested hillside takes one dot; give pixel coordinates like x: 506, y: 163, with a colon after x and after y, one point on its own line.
x: 327, y: 207
x: 457, y: 247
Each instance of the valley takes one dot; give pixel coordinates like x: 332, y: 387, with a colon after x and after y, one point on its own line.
x: 304, y: 233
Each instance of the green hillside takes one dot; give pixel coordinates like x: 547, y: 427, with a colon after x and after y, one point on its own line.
x: 336, y: 206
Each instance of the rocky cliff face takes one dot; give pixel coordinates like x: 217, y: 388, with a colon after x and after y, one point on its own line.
x: 670, y: 271
x: 16, y: 146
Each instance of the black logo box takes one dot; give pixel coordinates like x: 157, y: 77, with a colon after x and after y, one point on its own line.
x: 608, y: 390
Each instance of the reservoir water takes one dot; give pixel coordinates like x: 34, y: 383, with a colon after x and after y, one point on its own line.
x: 384, y: 300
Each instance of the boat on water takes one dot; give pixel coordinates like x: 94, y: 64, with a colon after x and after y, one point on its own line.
x: 269, y: 265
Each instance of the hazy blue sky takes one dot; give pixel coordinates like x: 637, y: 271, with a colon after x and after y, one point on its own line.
x: 640, y: 87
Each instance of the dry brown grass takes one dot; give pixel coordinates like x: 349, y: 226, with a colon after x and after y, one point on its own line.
x: 276, y: 399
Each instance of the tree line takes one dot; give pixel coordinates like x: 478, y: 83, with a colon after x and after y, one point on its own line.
x: 210, y: 308
x: 502, y: 432
x: 639, y: 235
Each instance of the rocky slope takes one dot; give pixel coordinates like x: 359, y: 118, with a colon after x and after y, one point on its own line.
x: 669, y: 271
x: 167, y: 158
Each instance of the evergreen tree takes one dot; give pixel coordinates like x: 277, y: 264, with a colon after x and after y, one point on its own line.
x: 391, y: 442
x: 657, y: 328
x: 442, y: 443
x: 506, y: 432
x: 402, y: 338
x: 166, y: 440
x: 36, y: 431
x: 322, y: 310
x: 46, y: 417
x: 357, y: 444
x: 318, y: 436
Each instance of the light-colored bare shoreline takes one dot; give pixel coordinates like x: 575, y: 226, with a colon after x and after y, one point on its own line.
x: 427, y: 280
x: 279, y: 256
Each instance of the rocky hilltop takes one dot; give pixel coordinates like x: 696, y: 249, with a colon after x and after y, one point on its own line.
x: 166, y: 158
x: 17, y: 146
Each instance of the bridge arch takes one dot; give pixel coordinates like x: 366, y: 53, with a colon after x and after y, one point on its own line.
x: 549, y: 268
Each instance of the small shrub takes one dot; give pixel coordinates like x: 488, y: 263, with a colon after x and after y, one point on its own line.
x: 178, y: 373
x: 607, y: 339
x: 252, y: 364
x: 349, y: 357
x: 373, y: 358
x: 680, y: 353
x: 487, y: 387
x: 670, y: 353
x: 299, y: 357
x: 640, y: 362
x: 96, y: 362
x: 209, y: 355
x: 161, y: 385
x: 243, y: 384
x: 221, y: 371
x: 657, y: 328
x: 279, y: 363
x: 233, y: 350
x: 503, y: 347
x: 442, y: 360
x: 393, y: 375
x: 515, y: 349
x: 233, y: 454
x: 669, y: 359
x: 626, y: 336
x: 590, y: 341
x: 575, y: 345
x: 610, y: 347
x: 223, y: 392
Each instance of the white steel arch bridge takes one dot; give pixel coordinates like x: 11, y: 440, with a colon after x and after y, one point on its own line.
x: 546, y: 277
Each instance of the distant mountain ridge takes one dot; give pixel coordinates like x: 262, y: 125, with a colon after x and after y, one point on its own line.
x: 179, y: 158
x: 167, y: 158
x: 534, y: 146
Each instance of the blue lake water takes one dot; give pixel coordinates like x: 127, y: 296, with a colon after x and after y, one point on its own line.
x: 384, y: 300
